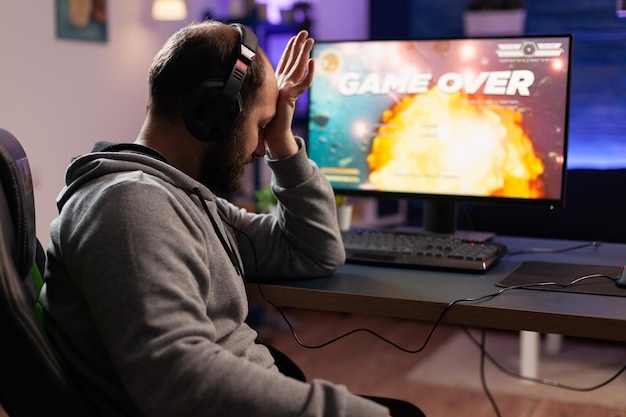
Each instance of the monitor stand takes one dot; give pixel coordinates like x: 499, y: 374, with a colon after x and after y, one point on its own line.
x: 440, y: 217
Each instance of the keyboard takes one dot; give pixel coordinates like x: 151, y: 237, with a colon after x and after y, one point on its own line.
x: 420, y: 250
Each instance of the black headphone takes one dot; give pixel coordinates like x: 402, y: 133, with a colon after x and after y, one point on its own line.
x: 212, y: 107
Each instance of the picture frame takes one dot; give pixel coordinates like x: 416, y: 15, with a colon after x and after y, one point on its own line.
x: 84, y: 20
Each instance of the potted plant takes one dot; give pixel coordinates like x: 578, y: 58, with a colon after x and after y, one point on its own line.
x: 494, y: 18
x: 265, y: 199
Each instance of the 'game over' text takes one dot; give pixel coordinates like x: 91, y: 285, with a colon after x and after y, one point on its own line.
x: 504, y: 83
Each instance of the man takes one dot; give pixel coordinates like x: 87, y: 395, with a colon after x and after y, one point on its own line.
x: 145, y: 295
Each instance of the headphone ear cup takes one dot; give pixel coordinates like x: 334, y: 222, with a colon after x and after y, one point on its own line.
x: 207, y: 114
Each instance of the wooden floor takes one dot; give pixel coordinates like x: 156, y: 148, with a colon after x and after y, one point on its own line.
x: 367, y: 365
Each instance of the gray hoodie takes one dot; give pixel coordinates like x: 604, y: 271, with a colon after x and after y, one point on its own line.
x: 146, y: 301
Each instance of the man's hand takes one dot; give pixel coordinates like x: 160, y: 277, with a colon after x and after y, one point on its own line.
x: 294, y: 74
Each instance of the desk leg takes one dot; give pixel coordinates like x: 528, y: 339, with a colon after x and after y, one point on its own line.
x: 529, y: 353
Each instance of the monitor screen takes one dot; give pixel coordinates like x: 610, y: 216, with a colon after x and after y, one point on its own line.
x: 443, y: 120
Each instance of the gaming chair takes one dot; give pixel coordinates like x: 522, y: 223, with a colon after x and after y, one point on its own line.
x: 33, y: 380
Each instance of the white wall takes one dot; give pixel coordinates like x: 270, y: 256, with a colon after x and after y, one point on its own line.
x: 59, y: 96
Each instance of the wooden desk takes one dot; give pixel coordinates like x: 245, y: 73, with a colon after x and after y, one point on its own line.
x: 423, y: 295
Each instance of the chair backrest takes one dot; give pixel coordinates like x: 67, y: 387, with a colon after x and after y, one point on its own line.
x: 32, y: 377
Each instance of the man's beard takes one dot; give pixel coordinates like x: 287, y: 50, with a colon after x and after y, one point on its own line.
x: 223, y: 164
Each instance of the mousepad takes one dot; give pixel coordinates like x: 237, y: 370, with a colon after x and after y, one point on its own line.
x: 534, y: 272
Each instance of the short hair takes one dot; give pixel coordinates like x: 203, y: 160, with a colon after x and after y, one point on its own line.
x: 195, y: 53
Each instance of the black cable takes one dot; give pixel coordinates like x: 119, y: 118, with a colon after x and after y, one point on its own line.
x: 484, y: 354
x: 373, y: 333
x: 483, y: 377
x: 481, y: 344
x: 544, y: 381
x: 227, y: 248
x: 342, y: 336
x: 436, y: 323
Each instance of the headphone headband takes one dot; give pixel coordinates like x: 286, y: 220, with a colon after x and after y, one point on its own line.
x: 247, y: 52
x: 213, y: 106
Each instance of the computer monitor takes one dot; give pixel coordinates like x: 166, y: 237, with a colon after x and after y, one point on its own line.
x: 444, y: 121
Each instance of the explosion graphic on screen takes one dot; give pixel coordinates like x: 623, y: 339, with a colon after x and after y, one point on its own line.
x: 433, y: 142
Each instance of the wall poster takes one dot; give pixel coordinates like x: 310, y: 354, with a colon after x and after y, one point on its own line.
x: 82, y: 20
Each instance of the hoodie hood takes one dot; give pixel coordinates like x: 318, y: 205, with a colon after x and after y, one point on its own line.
x: 109, y: 158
